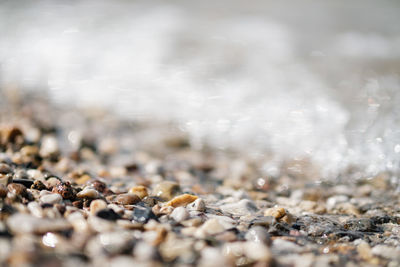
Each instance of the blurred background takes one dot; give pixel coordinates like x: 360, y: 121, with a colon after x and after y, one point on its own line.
x: 280, y: 80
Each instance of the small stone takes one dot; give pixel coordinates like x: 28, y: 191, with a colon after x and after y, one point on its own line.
x: 108, y: 214
x: 386, y: 251
x: 179, y: 214
x: 265, y: 221
x: 127, y: 199
x: 276, y: 212
x: 181, y: 200
x: 83, y: 179
x: 5, y: 168
x: 243, y: 207
x: 143, y: 214
x: 197, y: 205
x: 3, y: 191
x: 150, y: 201
x: 210, y: 227
x: 25, y: 223
x: 97, y: 205
x: 17, y: 189
x: 88, y: 193
x: 52, y: 181
x: 5, y: 179
x: 98, y: 185
x: 51, y: 198
x: 364, y: 250
x: 258, y: 234
x: 38, y: 185
x: 65, y: 190
x: 257, y: 251
x: 166, y: 190
x: 116, y: 242
x: 49, y: 146
x: 140, y: 191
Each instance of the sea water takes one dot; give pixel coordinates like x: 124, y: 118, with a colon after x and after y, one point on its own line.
x: 288, y: 80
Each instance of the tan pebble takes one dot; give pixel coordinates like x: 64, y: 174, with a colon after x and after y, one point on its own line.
x: 166, y: 190
x: 276, y: 212
x: 197, y: 205
x: 140, y: 191
x: 364, y: 250
x: 166, y: 210
x: 97, y: 205
x: 29, y: 151
x: 83, y: 179
x: 5, y: 179
x: 181, y: 200
x: 127, y: 199
x: 51, y: 182
x: 288, y: 218
x: 88, y: 193
x: 210, y: 227
x: 192, y: 222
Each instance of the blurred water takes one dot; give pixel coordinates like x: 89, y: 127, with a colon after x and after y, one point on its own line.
x: 283, y: 79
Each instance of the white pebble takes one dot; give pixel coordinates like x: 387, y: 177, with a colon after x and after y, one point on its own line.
x: 179, y: 214
x: 51, y: 198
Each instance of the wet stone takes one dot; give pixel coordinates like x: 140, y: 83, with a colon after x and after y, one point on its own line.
x: 143, y: 214
x: 179, y: 214
x: 127, y: 199
x: 258, y: 234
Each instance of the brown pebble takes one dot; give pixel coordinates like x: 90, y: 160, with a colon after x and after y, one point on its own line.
x: 3, y: 191
x: 65, y: 190
x: 98, y: 185
x: 78, y: 204
x: 181, y: 200
x: 127, y: 199
x: 4, y: 168
x: 277, y: 212
x: 17, y: 189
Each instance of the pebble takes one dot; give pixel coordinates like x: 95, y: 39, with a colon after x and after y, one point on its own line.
x: 243, y: 207
x: 276, y: 212
x: 258, y: 234
x: 88, y: 193
x: 108, y: 214
x: 17, y: 189
x: 38, y: 185
x: 181, y: 200
x: 3, y: 191
x: 179, y: 214
x: 51, y: 198
x: 210, y: 227
x: 166, y: 190
x: 65, y: 190
x: 197, y: 205
x: 96, y: 205
x: 49, y: 146
x: 127, y: 199
x: 280, y: 246
x: 116, y: 242
x: 5, y: 168
x: 143, y: 214
x: 5, y: 179
x: 21, y: 223
x: 387, y: 252
x: 140, y: 191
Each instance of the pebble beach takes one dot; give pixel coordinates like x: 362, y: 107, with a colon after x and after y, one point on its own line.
x: 84, y: 188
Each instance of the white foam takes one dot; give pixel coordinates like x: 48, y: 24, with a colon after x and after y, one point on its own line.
x: 253, y: 81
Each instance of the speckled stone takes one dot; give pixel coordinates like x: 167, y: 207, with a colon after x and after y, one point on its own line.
x: 127, y: 199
